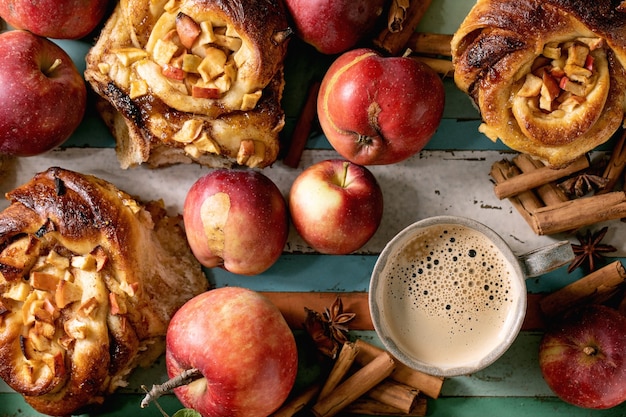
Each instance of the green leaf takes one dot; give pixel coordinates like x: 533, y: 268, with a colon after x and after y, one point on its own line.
x: 186, y: 412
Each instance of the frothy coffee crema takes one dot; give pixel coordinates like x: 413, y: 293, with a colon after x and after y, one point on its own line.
x: 449, y: 293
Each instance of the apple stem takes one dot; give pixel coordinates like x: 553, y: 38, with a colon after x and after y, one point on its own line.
x: 344, y: 174
x: 589, y: 350
x: 184, y: 378
x: 54, y: 66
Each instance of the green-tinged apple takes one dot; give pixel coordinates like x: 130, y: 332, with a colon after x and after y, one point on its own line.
x: 378, y: 110
x: 59, y: 19
x: 336, y: 206
x: 243, y: 348
x: 236, y: 219
x: 333, y: 27
x: 42, y: 98
x: 583, y: 357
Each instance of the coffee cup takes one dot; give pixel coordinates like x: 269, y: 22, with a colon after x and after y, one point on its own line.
x: 448, y: 295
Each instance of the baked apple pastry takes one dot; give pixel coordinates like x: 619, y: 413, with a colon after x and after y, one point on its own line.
x: 192, y: 80
x: 89, y: 280
x: 547, y: 76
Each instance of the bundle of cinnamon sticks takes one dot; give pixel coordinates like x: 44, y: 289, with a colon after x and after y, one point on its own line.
x: 366, y: 380
x: 400, y: 37
x: 532, y: 189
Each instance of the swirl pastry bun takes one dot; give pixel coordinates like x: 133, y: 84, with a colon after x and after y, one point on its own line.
x: 192, y: 80
x: 89, y: 280
x: 547, y: 76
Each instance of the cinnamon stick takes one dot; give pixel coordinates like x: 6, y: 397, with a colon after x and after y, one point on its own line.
x: 526, y: 201
x: 370, y: 407
x: 616, y: 165
x: 397, y: 15
x: 429, y: 385
x: 580, y: 212
x: 441, y: 66
x: 596, y: 287
x: 549, y: 193
x: 340, y: 368
x: 426, y: 43
x: 530, y: 180
x: 291, y: 407
x: 303, y: 126
x: 394, y: 394
x: 355, y: 386
x: 394, y: 42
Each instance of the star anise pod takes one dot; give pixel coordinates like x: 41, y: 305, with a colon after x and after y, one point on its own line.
x: 328, y: 329
x: 336, y: 320
x: 590, y: 250
x: 583, y: 184
x: 316, y: 328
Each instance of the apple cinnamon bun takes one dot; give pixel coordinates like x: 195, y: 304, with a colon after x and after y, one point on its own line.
x: 547, y: 76
x: 192, y: 80
x: 89, y: 280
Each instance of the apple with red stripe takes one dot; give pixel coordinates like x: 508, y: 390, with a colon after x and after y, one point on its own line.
x: 378, y: 110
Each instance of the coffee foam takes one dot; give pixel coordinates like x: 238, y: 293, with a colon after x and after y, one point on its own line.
x: 449, y: 295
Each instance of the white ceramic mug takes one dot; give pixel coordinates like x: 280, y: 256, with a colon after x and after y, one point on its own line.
x: 448, y: 295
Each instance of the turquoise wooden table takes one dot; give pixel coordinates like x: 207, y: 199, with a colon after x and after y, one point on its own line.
x: 450, y: 176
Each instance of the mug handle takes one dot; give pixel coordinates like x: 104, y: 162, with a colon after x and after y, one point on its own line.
x: 547, y: 258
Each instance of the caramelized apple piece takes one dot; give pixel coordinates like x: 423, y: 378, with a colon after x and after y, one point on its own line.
x: 117, y: 304
x: 170, y: 71
x: 190, y: 130
x: 205, y: 92
x: 43, y: 281
x: 75, y: 329
x: 552, y: 50
x: 67, y: 293
x: 549, y: 91
x: 101, y: 258
x: 17, y: 258
x: 57, y: 260
x: 188, y: 30
x: 531, y: 87
x: 88, y: 307
x: 18, y: 292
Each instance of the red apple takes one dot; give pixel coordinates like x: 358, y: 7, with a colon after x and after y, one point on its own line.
x: 42, y: 98
x: 583, y: 357
x: 242, y: 346
x: 59, y: 19
x: 236, y: 219
x: 333, y: 27
x: 379, y: 110
x: 336, y: 206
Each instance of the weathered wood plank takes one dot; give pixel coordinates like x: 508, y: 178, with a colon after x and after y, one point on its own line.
x: 428, y: 184
x: 292, y: 304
